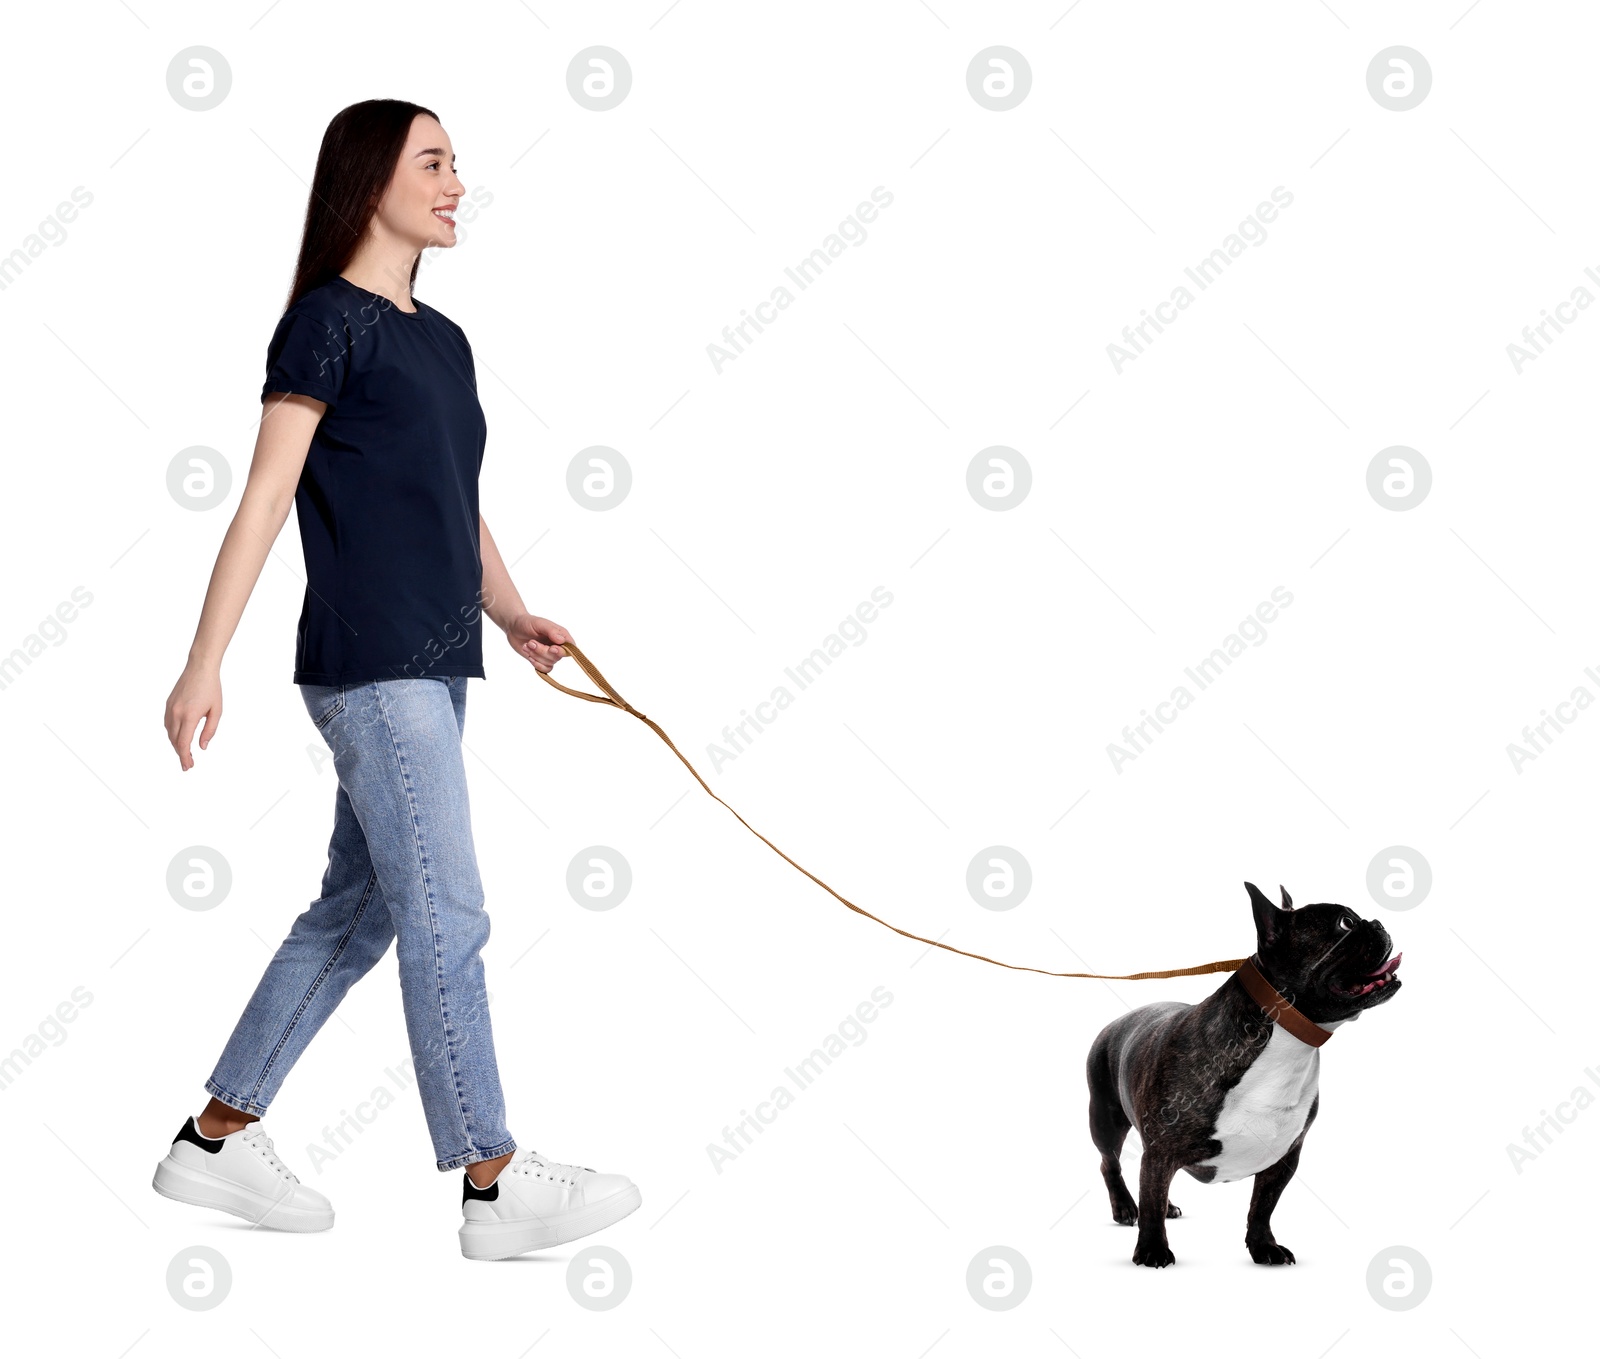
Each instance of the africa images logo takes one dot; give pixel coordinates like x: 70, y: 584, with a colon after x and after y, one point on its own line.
x: 803, y: 1074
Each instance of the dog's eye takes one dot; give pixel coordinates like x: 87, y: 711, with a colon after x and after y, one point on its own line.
x: 1344, y: 923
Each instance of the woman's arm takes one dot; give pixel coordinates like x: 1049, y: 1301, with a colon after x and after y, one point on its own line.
x: 500, y: 598
x: 535, y: 639
x: 287, y: 423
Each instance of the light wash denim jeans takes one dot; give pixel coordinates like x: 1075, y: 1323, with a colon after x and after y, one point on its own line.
x: 401, y: 864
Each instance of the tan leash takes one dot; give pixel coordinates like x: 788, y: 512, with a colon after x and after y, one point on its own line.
x: 612, y: 698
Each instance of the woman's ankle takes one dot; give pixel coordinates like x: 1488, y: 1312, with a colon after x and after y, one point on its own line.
x: 482, y: 1173
x: 218, y: 1119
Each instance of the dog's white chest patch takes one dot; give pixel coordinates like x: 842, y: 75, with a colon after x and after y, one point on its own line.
x: 1265, y: 1112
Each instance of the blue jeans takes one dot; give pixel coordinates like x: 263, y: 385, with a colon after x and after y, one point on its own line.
x: 401, y: 864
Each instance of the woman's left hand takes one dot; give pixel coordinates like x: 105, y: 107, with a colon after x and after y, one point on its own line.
x: 537, y: 640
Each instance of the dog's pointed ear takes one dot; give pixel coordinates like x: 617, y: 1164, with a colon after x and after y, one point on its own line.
x: 1266, y: 915
x: 1288, y: 905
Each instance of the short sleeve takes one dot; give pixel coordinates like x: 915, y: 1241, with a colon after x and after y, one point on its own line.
x: 466, y: 350
x: 305, y: 356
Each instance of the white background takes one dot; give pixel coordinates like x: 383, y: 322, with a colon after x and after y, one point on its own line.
x: 768, y: 500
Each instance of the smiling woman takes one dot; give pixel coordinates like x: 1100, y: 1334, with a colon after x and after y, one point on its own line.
x: 373, y: 431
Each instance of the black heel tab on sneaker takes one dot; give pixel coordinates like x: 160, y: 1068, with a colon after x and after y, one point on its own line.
x: 190, y: 1133
x: 471, y: 1191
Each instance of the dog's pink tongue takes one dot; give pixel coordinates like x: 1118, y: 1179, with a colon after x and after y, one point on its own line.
x: 1389, y: 966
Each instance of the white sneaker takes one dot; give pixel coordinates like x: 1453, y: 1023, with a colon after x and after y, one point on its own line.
x: 242, y: 1175
x: 534, y: 1203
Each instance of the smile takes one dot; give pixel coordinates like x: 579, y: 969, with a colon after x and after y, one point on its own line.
x: 445, y: 215
x: 1380, y: 976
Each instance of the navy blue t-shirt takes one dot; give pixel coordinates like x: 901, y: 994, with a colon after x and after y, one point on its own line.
x: 388, y: 498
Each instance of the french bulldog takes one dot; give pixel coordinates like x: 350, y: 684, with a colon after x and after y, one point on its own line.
x: 1226, y: 1088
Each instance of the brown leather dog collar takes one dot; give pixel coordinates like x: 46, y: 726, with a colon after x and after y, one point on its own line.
x: 1283, y: 1014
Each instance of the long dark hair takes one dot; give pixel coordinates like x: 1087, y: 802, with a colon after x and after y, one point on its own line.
x: 354, y: 167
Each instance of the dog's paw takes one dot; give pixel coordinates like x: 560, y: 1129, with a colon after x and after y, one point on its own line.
x: 1173, y: 1210
x: 1270, y: 1253
x: 1155, y: 1254
x: 1125, y: 1213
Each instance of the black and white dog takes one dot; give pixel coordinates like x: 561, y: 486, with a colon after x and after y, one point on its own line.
x: 1228, y: 1088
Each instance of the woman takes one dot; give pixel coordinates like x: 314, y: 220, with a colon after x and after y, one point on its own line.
x: 371, y: 426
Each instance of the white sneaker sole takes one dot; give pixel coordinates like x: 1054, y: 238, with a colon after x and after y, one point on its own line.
x: 502, y: 1240
x: 205, y: 1190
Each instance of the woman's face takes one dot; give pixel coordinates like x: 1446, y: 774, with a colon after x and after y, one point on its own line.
x: 420, y: 202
